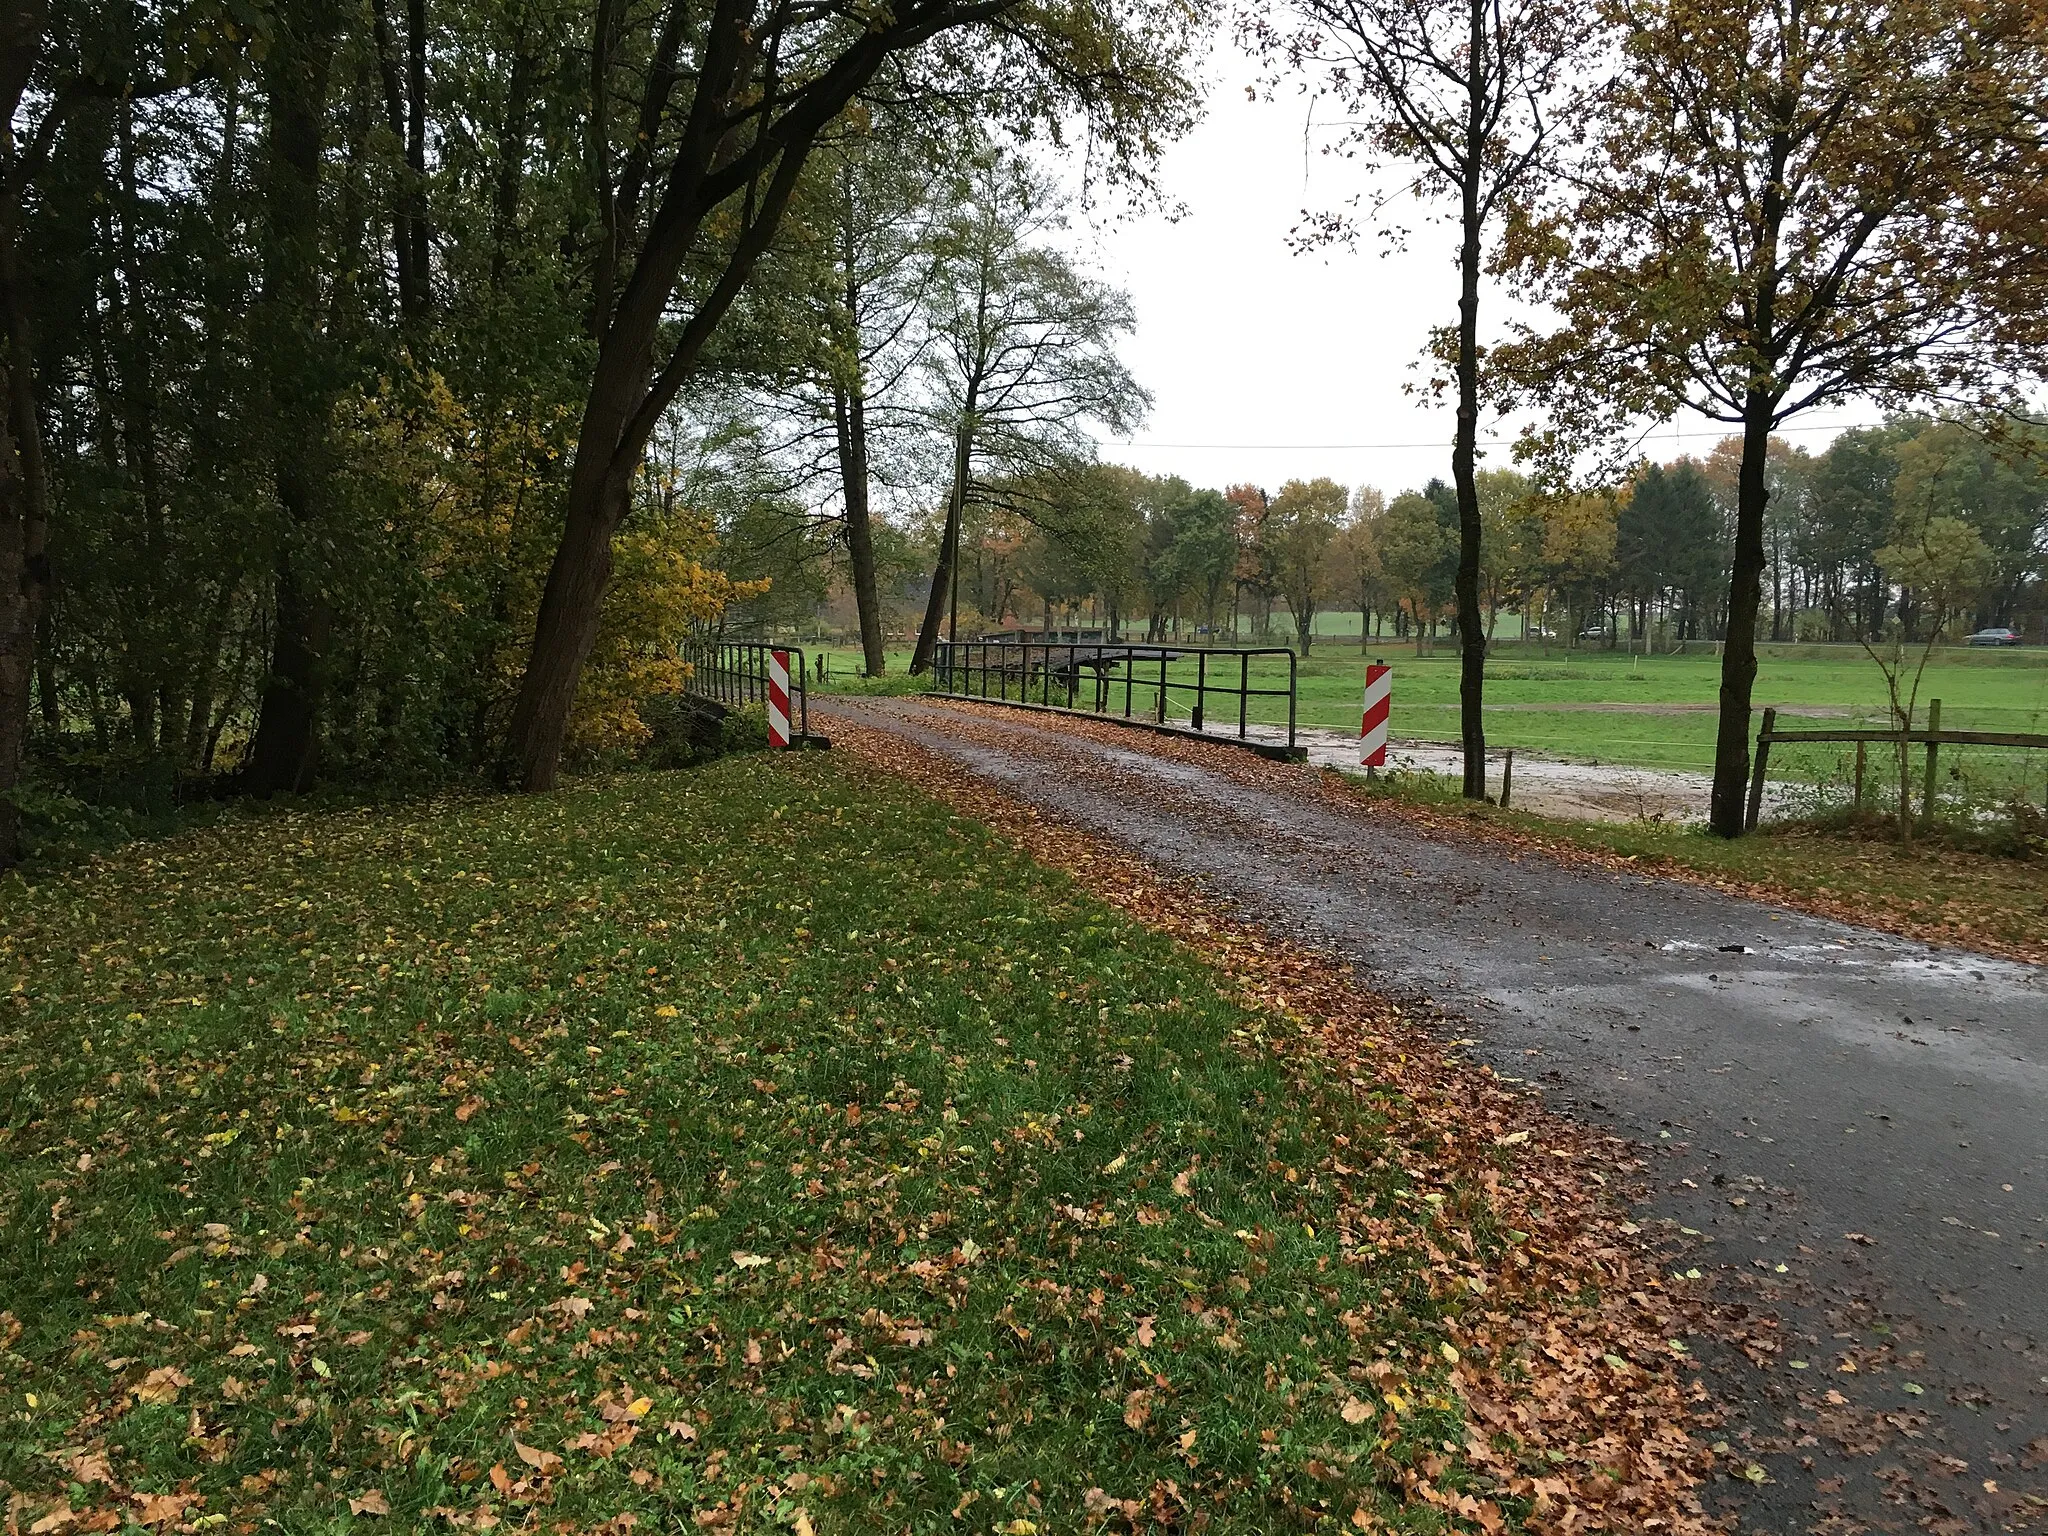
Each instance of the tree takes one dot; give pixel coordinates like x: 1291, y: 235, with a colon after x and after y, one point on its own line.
x: 24, y: 485
x: 1355, y: 568
x: 730, y: 106
x: 1023, y: 358
x: 1668, y: 538
x: 1253, y: 570
x: 1850, y: 499
x: 1418, y: 553
x: 1997, y: 488
x: 1461, y: 89
x: 1777, y: 207
x: 1304, y: 521
x: 1943, y: 561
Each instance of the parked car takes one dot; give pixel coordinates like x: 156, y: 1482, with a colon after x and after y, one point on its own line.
x: 1994, y: 637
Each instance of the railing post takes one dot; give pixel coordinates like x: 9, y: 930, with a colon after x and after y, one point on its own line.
x: 1507, y: 778
x: 1162, y: 683
x: 1073, y: 672
x: 1859, y: 774
x: 1292, y: 692
x: 1756, y: 779
x: 1933, y: 754
x: 1244, y: 690
x: 1201, y: 685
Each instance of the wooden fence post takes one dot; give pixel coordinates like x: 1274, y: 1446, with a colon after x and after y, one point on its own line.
x: 1933, y: 754
x: 1756, y: 779
x: 1859, y: 775
x: 1507, y: 778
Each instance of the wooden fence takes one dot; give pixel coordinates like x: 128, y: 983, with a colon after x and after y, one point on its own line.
x: 1933, y: 737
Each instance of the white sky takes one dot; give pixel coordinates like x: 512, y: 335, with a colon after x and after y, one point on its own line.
x: 1267, y: 366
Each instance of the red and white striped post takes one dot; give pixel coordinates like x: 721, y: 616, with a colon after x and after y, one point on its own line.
x: 778, y: 698
x: 1372, y: 726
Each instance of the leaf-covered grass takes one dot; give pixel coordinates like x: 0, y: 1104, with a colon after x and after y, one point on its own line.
x: 757, y: 1146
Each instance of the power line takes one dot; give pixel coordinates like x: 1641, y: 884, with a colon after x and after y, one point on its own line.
x: 1490, y: 442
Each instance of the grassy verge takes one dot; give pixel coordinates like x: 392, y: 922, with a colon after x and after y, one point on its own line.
x: 749, y: 1147
x: 1933, y: 887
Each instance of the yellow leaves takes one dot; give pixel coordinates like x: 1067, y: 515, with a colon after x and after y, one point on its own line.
x: 750, y: 1260
x: 666, y: 1011
x: 1449, y: 1352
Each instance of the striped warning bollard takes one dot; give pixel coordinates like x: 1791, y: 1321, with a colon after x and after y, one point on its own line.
x: 1372, y: 728
x: 778, y: 698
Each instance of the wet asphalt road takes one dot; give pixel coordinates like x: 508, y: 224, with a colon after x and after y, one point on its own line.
x: 1800, y: 1080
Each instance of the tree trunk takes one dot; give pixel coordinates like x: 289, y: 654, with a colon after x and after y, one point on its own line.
x: 851, y: 419
x: 627, y: 396
x: 24, y: 488
x: 281, y: 757
x: 949, y: 548
x: 1745, y: 598
x: 1465, y: 442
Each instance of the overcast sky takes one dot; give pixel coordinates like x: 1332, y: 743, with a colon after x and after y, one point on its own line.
x: 1265, y: 365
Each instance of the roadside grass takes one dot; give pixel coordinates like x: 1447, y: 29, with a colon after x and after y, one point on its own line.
x: 1612, y: 701
x: 1941, y: 886
x: 761, y: 1147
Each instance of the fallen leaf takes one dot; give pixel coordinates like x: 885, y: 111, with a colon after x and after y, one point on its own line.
x: 372, y: 1502
x: 161, y: 1385
x: 1138, y: 1408
x: 162, y: 1508
x: 543, y: 1462
x: 56, y: 1519
x: 468, y: 1107
x: 1145, y: 1333
x: 1355, y: 1410
x: 749, y: 1260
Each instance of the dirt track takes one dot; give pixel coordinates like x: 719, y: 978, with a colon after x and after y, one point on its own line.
x: 1855, y: 1126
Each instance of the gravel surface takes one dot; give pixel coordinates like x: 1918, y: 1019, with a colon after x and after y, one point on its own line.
x: 1852, y: 1127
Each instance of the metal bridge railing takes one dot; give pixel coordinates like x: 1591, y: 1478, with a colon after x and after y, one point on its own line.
x: 736, y: 672
x: 1152, y: 683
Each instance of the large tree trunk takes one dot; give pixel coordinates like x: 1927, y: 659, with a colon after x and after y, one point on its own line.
x: 1745, y: 598
x: 851, y: 418
x: 627, y: 397
x: 24, y: 488
x: 24, y: 565
x: 949, y: 550
x: 1465, y: 443
x: 282, y: 756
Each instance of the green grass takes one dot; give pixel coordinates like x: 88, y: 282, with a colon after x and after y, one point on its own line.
x: 750, y: 1140
x: 1667, y: 719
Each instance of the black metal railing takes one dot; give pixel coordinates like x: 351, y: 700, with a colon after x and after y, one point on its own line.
x: 1175, y: 688
x: 736, y: 672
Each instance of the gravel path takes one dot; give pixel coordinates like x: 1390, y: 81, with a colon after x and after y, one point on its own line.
x: 1853, y: 1127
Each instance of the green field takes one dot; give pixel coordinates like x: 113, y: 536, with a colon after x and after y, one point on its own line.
x: 1657, y: 711
x: 763, y: 1146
